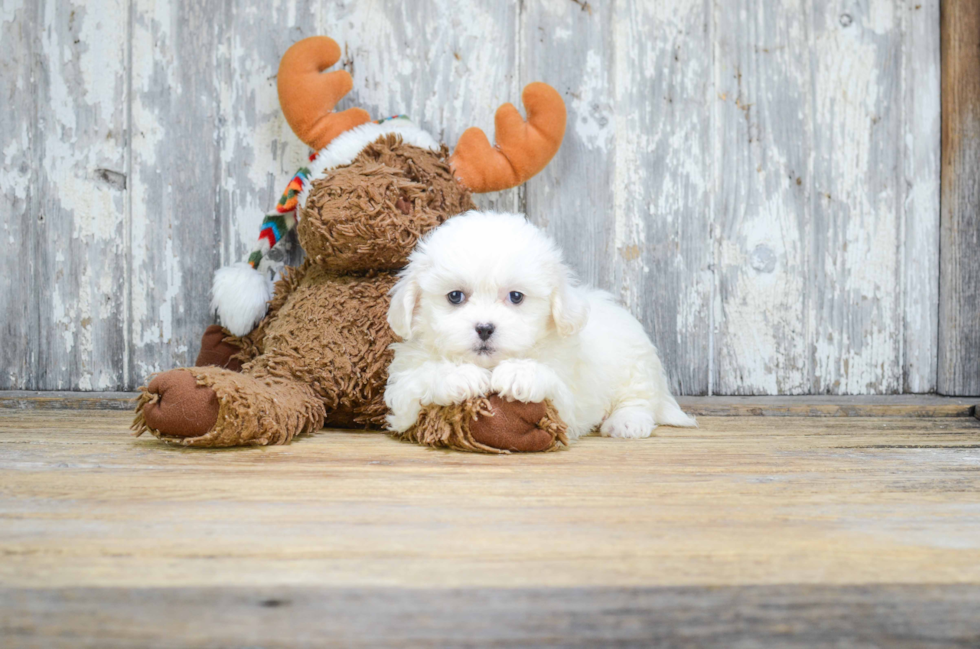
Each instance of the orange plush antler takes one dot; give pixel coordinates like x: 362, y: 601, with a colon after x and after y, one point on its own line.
x: 307, y: 97
x: 523, y: 148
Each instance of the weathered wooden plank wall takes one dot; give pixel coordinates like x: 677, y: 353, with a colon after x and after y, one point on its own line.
x: 959, y: 311
x: 18, y: 182
x: 758, y: 180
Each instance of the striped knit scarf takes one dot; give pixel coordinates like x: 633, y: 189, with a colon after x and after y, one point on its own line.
x: 277, y: 225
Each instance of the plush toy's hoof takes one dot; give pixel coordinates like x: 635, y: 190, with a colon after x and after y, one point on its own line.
x: 513, y: 427
x: 216, y: 350
x: 178, y: 406
x: 489, y: 425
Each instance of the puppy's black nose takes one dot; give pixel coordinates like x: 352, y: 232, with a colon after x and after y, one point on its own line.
x: 484, y: 330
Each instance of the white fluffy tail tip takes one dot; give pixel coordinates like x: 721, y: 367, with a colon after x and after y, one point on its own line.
x: 670, y: 414
x: 240, y: 296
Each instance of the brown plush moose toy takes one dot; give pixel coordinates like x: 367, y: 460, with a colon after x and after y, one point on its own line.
x: 312, y: 350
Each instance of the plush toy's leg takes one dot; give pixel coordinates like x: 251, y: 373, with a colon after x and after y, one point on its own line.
x: 490, y: 425
x: 212, y: 406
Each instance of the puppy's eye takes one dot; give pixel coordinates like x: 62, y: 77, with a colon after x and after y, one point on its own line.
x: 516, y: 297
x: 455, y: 297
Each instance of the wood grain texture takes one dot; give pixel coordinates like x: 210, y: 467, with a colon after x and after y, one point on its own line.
x: 83, y: 140
x: 923, y: 128
x: 763, y: 142
x: 756, y: 181
x: 916, y: 405
x: 784, y: 616
x: 959, y: 322
x: 19, y: 206
x: 739, y: 501
x: 855, y: 324
x: 771, y: 531
x: 663, y: 160
x: 39, y: 400
x: 175, y: 126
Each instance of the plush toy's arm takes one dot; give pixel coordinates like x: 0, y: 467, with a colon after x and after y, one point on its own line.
x: 252, y: 343
x: 221, y: 348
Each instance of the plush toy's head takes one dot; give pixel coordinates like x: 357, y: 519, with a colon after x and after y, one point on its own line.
x: 372, y: 189
x: 369, y: 214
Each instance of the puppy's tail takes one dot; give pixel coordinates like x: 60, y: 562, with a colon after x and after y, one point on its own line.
x: 668, y: 413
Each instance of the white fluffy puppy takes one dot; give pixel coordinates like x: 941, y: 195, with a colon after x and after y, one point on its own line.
x: 486, y: 305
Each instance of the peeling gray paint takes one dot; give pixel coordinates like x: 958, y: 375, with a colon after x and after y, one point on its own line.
x: 756, y: 180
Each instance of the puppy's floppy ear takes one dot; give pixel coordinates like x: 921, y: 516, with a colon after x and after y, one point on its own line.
x: 404, y: 299
x: 569, y: 309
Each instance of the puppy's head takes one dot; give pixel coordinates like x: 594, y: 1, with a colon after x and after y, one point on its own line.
x: 484, y: 287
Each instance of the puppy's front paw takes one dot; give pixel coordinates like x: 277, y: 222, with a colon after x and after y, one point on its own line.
x: 402, y: 420
x: 522, y: 380
x: 460, y: 383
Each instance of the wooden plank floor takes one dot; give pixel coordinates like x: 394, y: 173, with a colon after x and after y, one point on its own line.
x: 890, y: 405
x: 747, y: 531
